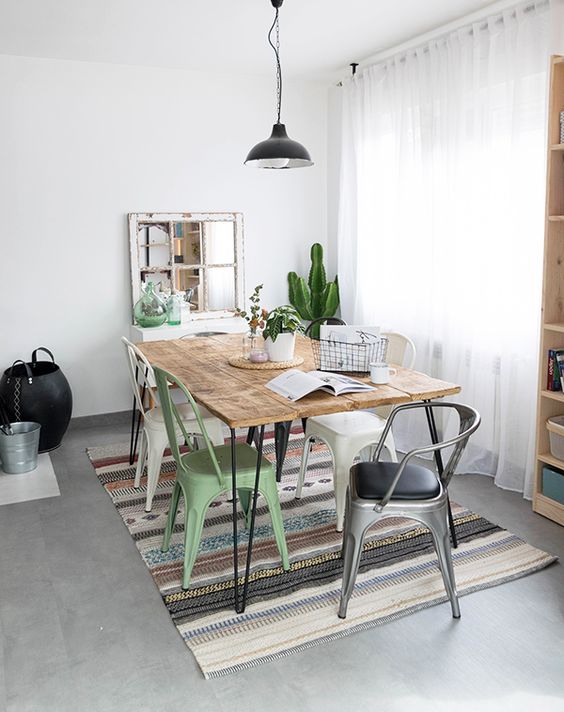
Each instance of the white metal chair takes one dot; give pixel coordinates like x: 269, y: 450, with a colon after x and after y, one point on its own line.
x: 401, y: 351
x: 379, y: 490
x: 154, y: 439
x: 346, y: 434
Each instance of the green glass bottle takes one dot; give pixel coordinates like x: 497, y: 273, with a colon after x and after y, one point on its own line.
x: 150, y: 310
x: 173, y: 306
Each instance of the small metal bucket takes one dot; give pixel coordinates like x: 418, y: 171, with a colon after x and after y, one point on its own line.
x: 18, y: 452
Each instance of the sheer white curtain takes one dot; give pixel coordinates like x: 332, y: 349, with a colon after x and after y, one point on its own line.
x: 441, y: 218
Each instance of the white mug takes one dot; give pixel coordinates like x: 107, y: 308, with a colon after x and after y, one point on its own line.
x: 380, y: 373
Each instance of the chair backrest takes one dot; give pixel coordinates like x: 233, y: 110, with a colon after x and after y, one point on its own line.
x: 334, y: 320
x: 172, y: 417
x: 469, y: 422
x: 401, y: 349
x: 140, y: 372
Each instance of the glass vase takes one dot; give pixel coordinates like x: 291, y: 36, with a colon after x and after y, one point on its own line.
x: 150, y: 310
x: 249, y: 344
x: 253, y: 348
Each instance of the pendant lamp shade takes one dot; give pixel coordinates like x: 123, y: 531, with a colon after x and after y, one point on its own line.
x: 279, y: 151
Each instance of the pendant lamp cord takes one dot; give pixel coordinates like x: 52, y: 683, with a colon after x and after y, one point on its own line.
x: 276, y: 49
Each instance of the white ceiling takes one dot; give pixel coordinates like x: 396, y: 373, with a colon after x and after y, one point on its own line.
x: 318, y: 37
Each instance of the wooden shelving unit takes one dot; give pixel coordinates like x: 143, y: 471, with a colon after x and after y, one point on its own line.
x: 551, y: 403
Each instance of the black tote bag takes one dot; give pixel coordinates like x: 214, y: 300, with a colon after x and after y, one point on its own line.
x: 38, y: 391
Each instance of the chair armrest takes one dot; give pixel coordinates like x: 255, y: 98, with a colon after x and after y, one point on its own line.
x: 458, y: 440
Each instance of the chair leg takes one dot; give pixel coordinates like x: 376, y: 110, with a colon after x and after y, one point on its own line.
x: 356, y: 523
x: 141, y: 460
x: 343, y: 458
x: 270, y: 492
x: 176, y: 492
x: 341, y: 478
x: 156, y: 444
x: 438, y: 525
x: 245, y: 502
x: 303, y: 466
x: 193, y: 525
x: 215, y: 432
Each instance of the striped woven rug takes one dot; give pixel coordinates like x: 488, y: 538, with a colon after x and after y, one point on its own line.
x: 294, y: 610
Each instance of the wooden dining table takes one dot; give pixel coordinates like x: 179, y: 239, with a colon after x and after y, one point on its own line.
x: 240, y: 399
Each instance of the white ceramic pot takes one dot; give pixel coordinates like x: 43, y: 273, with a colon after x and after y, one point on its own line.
x: 282, y: 349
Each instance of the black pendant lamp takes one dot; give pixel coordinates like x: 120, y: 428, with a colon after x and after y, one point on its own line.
x: 278, y: 151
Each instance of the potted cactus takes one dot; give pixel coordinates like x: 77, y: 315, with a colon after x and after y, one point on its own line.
x: 279, y: 333
x: 317, y: 297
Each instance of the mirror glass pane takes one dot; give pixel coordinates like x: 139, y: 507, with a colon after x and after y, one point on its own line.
x: 221, y: 288
x: 188, y: 243
x: 220, y: 243
x: 189, y: 282
x: 153, y: 246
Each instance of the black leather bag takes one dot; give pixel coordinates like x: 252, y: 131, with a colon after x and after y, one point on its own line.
x: 38, y: 391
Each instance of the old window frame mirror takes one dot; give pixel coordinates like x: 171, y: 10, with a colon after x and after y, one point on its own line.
x: 158, y: 245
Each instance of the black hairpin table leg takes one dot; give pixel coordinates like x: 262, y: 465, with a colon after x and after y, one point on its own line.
x: 281, y: 437
x: 240, y: 607
x: 253, y: 515
x: 439, y: 461
x: 133, y: 438
x: 234, y: 511
x: 135, y: 429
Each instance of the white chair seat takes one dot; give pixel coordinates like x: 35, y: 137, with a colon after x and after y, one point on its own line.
x: 346, y: 434
x: 358, y: 423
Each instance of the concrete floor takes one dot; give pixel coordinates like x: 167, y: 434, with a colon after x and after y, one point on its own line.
x: 83, y: 628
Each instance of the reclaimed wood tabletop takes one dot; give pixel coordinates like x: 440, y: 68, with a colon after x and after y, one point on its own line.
x: 239, y: 397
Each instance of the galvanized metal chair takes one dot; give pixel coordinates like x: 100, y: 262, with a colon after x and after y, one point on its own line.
x: 379, y: 490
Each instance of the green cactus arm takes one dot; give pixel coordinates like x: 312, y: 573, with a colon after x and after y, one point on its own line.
x: 317, y: 278
x: 330, y: 299
x: 292, y: 279
x: 303, y: 299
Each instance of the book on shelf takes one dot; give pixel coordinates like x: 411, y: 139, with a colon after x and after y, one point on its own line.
x: 295, y: 384
x: 553, y: 380
x: 560, y: 367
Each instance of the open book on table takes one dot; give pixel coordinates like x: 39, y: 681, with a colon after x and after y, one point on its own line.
x: 295, y: 384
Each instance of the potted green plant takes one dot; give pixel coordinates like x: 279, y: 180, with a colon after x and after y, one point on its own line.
x: 279, y: 332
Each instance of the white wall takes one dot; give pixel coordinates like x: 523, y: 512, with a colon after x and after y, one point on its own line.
x: 83, y: 144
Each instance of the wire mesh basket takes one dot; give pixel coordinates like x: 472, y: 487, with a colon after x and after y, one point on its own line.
x: 342, y: 357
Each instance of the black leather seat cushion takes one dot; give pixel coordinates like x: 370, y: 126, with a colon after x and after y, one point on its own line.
x: 374, y: 478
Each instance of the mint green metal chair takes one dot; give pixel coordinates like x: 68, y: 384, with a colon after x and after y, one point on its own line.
x: 201, y: 475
